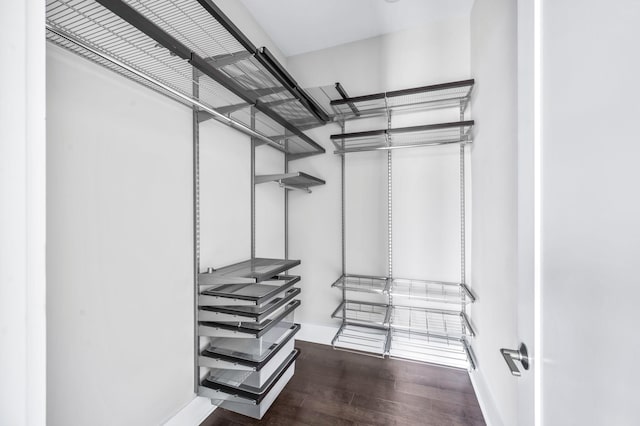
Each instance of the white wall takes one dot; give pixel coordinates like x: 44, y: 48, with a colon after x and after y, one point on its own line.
x: 494, y: 203
x: 590, y: 209
x: 119, y: 251
x: 22, y: 215
x: 242, y: 18
x: 437, y: 53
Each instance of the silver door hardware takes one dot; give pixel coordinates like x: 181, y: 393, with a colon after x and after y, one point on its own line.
x: 511, y: 355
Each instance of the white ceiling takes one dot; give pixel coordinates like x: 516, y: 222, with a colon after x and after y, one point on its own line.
x: 299, y: 26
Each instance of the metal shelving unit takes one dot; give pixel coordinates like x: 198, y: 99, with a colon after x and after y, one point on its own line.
x: 421, y: 320
x: 189, y: 51
x: 190, y: 43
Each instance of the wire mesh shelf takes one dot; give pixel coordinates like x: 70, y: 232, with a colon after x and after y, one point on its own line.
x: 363, y: 283
x: 424, y: 347
x: 188, y: 51
x: 431, y: 291
x: 427, y: 97
x: 367, y: 340
x: 450, y: 325
x: 296, y: 180
x: 363, y: 313
x: 404, y: 137
x: 249, y: 271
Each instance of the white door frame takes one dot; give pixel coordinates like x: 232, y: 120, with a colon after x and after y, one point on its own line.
x: 22, y: 214
x: 529, y: 178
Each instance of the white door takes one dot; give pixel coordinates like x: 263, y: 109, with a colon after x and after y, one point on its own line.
x: 579, y: 211
x: 590, y: 212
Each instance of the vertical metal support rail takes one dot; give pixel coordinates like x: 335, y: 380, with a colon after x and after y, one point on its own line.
x: 253, y: 186
x: 344, y: 228
x: 196, y: 230
x: 389, y: 219
x: 389, y: 197
x: 463, y: 246
x: 286, y: 201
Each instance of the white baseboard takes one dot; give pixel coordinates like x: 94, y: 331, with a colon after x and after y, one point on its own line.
x: 485, y: 399
x: 316, y: 333
x: 193, y: 413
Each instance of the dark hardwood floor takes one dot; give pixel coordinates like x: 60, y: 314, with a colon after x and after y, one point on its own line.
x: 340, y: 388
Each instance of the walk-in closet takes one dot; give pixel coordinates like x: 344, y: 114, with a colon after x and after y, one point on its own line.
x: 318, y: 212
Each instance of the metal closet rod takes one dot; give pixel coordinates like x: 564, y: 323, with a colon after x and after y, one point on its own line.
x: 220, y: 117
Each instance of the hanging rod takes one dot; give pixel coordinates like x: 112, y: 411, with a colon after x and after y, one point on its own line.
x: 388, y: 148
x: 222, y: 118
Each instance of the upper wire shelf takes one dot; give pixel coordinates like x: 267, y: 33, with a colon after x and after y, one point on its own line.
x: 429, y: 291
x: 295, y: 180
x: 191, y: 52
x: 436, y: 96
x: 403, y: 137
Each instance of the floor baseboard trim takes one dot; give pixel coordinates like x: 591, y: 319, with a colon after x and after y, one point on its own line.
x: 192, y: 414
x: 315, y: 333
x: 485, y: 399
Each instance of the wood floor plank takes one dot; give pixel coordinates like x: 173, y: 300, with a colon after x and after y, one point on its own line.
x: 332, y: 387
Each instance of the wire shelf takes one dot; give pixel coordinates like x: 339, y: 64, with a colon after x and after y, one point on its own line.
x: 353, y: 338
x: 423, y: 347
x: 450, y: 325
x: 200, y: 39
x: 296, y: 180
x: 249, y: 271
x: 428, y: 97
x: 431, y: 291
x: 404, y: 137
x: 363, y: 313
x: 363, y: 283
x: 423, y: 290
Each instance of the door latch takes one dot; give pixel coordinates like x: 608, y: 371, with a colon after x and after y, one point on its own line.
x: 511, y: 356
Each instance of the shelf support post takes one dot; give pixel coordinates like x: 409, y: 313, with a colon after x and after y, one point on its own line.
x: 343, y: 228
x: 253, y: 185
x: 196, y: 226
x: 286, y: 198
x: 463, y: 247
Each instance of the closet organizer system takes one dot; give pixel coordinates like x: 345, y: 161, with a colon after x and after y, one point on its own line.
x: 191, y: 52
x: 420, y: 319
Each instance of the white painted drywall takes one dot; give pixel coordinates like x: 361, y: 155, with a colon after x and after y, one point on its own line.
x: 244, y: 20
x: 22, y: 215
x: 494, y: 203
x: 425, y: 181
x: 336, y: 22
x: 590, y: 209
x: 119, y: 251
